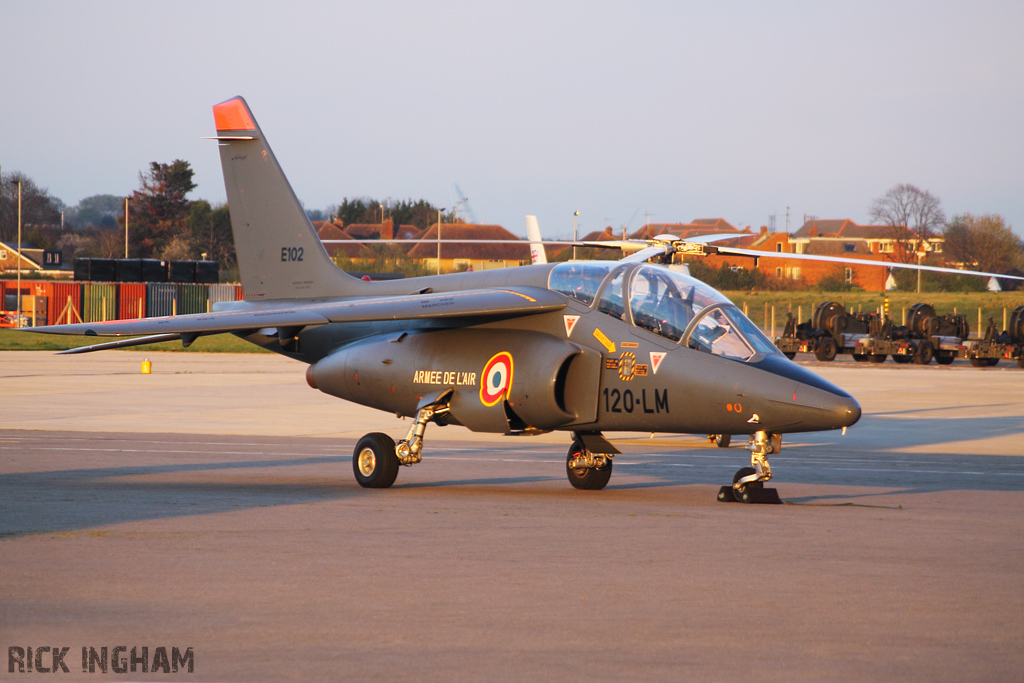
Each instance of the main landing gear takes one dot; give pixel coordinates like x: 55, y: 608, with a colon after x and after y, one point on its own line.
x: 587, y: 471
x: 748, y: 482
x: 377, y: 457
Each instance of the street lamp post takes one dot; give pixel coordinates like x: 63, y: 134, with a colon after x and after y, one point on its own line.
x: 17, y: 315
x: 439, y: 241
x: 126, y: 227
x: 574, y: 215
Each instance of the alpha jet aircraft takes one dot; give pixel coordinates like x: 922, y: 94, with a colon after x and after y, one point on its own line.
x: 579, y: 347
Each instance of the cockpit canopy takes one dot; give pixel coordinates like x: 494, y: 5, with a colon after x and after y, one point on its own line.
x: 666, y: 302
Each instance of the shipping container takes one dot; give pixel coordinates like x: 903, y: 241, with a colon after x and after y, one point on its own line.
x: 220, y: 293
x: 99, y: 301
x: 207, y: 272
x: 192, y: 299
x: 129, y: 270
x: 181, y: 271
x: 161, y: 299
x: 131, y: 301
x: 153, y: 270
x: 82, y: 269
x: 60, y: 311
x: 103, y: 270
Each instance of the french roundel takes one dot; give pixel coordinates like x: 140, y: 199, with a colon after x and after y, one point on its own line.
x: 496, y: 379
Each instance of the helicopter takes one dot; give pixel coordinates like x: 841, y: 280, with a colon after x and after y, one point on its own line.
x: 583, y: 347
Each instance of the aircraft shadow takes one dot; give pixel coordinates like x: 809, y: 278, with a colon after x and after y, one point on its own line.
x: 68, y: 500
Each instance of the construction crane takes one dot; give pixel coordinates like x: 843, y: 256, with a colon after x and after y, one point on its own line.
x: 462, y: 201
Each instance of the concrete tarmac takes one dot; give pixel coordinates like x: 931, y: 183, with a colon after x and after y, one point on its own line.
x: 211, y: 505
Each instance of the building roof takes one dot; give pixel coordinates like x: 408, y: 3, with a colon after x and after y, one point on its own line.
x: 699, y: 226
x: 32, y: 259
x: 843, y: 229
x: 466, y: 249
x: 330, y: 231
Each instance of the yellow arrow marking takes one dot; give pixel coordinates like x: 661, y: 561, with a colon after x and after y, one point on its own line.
x: 605, y: 341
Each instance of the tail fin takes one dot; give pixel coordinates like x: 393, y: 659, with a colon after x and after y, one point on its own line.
x: 537, y: 253
x: 280, y: 256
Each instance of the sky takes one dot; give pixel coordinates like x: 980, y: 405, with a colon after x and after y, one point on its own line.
x: 625, y: 112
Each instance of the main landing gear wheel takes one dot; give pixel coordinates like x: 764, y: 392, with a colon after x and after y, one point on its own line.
x: 586, y: 478
x: 374, y: 461
x: 723, y: 440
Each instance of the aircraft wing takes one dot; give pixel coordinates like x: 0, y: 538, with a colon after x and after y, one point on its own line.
x: 492, y: 304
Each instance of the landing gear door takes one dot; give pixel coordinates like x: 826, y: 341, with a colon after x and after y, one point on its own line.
x: 583, y: 385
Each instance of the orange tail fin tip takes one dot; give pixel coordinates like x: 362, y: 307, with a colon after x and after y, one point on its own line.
x: 233, y: 115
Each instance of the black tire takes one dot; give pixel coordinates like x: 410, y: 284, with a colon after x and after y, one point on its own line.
x: 877, y: 358
x: 860, y: 357
x: 1020, y: 361
x: 723, y: 440
x: 826, y: 350
x: 978, y: 362
x: 587, y: 478
x: 924, y: 353
x: 743, y: 494
x: 789, y: 354
x: 901, y: 359
x: 374, y: 461
x: 992, y: 362
x: 945, y: 358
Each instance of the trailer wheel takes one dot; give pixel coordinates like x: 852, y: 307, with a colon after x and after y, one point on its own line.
x: 860, y: 357
x: 789, y: 354
x: 827, y: 349
x: 901, y: 358
x: 978, y: 362
x: 945, y: 358
x: 876, y: 357
x: 924, y: 353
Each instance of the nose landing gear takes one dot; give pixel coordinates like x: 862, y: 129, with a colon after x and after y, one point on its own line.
x: 748, y: 482
x: 586, y: 470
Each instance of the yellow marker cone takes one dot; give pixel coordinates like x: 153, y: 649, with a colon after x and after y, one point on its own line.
x: 147, y: 367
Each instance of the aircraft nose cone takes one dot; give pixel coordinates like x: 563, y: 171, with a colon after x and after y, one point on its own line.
x: 848, y: 411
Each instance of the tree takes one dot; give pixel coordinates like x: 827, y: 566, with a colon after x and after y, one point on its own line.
x: 420, y: 213
x: 209, y: 232
x: 72, y: 245
x: 913, y: 215
x: 158, y: 210
x: 99, y: 210
x: 983, y: 242
x: 38, y: 208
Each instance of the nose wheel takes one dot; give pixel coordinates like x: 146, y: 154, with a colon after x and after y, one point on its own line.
x: 748, y: 482
x: 587, y: 471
